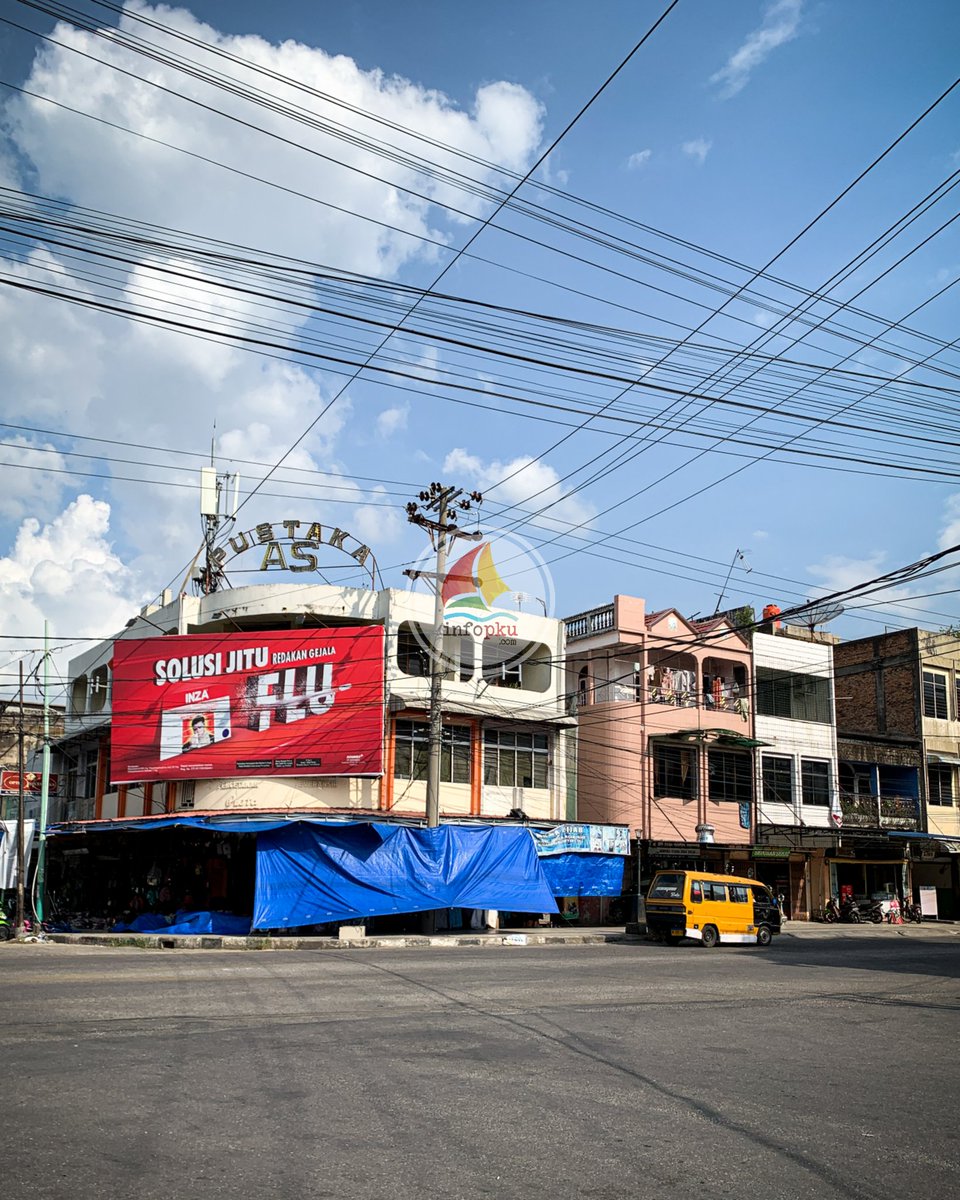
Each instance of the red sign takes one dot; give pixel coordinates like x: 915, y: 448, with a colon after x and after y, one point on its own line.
x: 32, y: 783
x: 235, y: 705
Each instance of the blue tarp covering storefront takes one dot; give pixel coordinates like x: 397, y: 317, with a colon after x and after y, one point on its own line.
x: 309, y: 874
x: 187, y: 922
x: 584, y: 874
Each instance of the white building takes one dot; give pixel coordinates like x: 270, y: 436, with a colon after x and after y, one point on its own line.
x: 797, y: 789
x: 508, y: 737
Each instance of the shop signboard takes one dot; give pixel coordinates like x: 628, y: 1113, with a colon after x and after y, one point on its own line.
x: 928, y: 902
x: 770, y: 852
x: 32, y: 783
x: 237, y: 705
x: 583, y: 839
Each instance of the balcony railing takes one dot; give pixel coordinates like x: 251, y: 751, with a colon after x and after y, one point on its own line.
x: 600, y: 620
x: 880, y: 812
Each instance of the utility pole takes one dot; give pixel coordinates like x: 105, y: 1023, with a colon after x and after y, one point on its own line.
x: 446, y: 502
x: 44, y: 780
x: 19, y: 928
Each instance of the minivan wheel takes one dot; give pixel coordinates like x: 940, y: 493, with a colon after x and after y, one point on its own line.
x: 764, y: 936
x: 710, y: 936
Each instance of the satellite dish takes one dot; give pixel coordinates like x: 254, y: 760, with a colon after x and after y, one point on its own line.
x: 819, y: 614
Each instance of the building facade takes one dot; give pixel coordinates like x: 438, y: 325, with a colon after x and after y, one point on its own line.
x: 898, y: 718
x: 665, y: 739
x: 797, y: 781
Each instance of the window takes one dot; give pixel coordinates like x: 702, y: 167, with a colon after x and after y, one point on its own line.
x: 411, y: 752
x: 739, y: 894
x: 729, y: 776
x: 815, y: 782
x: 714, y: 891
x: 414, y: 657
x: 935, y: 695
x: 583, y: 686
x: 696, y: 895
x: 798, y: 697
x: 939, y: 784
x: 513, y: 759
x: 91, y: 758
x: 674, y: 772
x: 777, y: 779
x: 510, y: 663
x: 667, y: 886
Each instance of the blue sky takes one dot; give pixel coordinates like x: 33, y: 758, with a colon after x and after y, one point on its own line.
x: 732, y: 128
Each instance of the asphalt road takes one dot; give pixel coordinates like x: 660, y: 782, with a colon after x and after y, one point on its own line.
x: 816, y: 1068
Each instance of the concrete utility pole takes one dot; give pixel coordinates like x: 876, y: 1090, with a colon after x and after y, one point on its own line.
x: 44, y: 781
x: 445, y: 502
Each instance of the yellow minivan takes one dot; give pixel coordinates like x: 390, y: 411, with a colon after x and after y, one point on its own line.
x: 710, y: 908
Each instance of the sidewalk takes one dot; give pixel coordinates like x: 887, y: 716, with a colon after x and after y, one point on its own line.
x: 570, y: 936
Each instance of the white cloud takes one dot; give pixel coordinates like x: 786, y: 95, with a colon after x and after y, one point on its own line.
x: 534, y: 485
x: 760, y: 535
x: 103, y: 167
x: 392, y: 419
x: 780, y: 25
x: 698, y: 148
x: 639, y: 159
x: 67, y: 572
x: 73, y: 369
x: 837, y: 571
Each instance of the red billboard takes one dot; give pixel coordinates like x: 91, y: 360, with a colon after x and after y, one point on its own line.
x: 235, y: 705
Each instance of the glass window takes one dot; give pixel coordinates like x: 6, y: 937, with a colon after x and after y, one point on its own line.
x: 729, y: 775
x: 739, y: 894
x: 796, y: 696
x: 515, y: 759
x: 696, y: 894
x: 777, y: 779
x: 815, y: 782
x: 667, y: 886
x: 935, y: 695
x: 714, y: 891
x: 411, y: 752
x: 674, y: 772
x: 939, y: 784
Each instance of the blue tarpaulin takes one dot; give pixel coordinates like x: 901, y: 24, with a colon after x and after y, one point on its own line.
x: 310, y: 874
x: 187, y: 922
x: 584, y: 874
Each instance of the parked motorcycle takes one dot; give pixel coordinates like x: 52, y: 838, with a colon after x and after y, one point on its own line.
x: 831, y: 912
x: 850, y: 911
x: 872, y: 910
x: 912, y: 912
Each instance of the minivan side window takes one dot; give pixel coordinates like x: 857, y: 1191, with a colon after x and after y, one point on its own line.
x: 695, y: 894
x: 738, y: 893
x: 762, y: 896
x: 714, y: 891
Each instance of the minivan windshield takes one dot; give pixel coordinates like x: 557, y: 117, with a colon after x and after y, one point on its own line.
x: 667, y: 886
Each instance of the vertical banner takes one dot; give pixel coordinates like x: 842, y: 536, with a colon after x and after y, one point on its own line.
x: 222, y: 706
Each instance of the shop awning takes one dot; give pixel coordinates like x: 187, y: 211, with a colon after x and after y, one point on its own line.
x: 951, y: 845
x: 950, y: 760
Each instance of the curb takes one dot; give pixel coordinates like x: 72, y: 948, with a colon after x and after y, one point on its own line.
x: 411, y: 941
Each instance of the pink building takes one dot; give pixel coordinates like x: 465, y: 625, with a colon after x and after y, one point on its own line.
x: 665, y: 742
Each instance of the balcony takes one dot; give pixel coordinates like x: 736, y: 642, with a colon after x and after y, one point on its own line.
x: 600, y: 620
x: 879, y: 812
